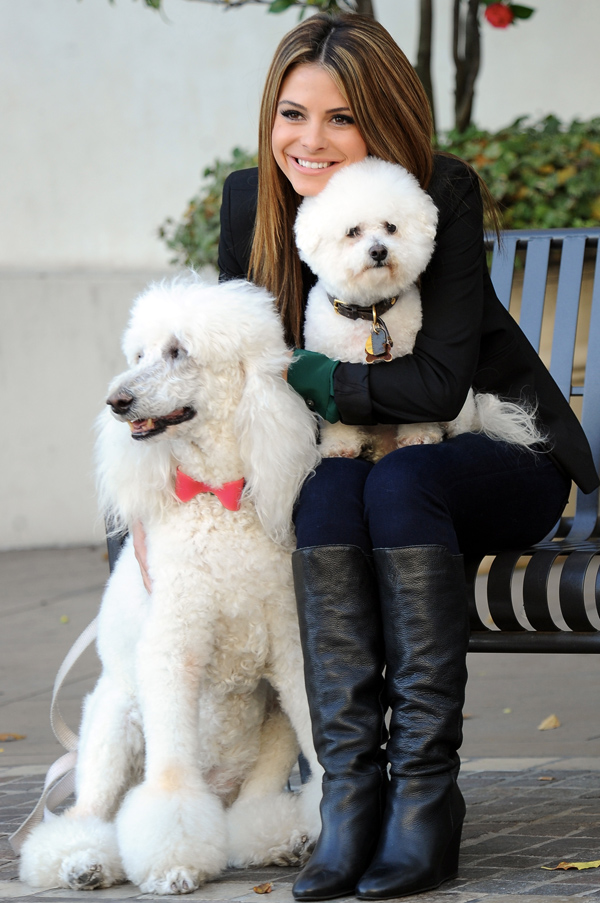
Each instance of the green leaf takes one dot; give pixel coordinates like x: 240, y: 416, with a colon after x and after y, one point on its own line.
x: 279, y: 6
x: 521, y: 12
x: 543, y: 174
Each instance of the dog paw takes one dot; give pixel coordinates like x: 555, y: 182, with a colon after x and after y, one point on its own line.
x: 79, y: 873
x: 174, y: 841
x: 175, y: 881
x: 419, y: 434
x: 337, y: 440
x: 297, y: 854
x: 269, y: 830
x: 80, y: 853
x: 343, y: 453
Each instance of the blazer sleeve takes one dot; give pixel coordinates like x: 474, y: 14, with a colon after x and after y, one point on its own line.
x: 238, y: 212
x: 432, y: 383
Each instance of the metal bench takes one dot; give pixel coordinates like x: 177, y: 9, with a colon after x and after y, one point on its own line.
x: 519, y: 592
x: 545, y: 599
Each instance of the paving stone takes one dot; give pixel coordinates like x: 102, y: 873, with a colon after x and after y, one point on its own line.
x: 515, y: 823
x: 501, y: 858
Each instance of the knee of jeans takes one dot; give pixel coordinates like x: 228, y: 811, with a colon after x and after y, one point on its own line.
x: 403, y: 476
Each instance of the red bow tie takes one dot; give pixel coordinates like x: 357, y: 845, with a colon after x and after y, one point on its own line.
x: 229, y: 494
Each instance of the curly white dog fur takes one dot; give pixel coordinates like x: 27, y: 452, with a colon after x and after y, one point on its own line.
x: 188, y: 739
x: 368, y: 236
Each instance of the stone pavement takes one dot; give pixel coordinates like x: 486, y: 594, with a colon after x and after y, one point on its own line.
x: 533, y: 797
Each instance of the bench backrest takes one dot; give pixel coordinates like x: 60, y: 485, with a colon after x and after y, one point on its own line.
x: 550, y: 281
x: 573, y: 315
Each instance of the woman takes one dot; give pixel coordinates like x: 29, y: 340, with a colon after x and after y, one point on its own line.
x: 378, y: 570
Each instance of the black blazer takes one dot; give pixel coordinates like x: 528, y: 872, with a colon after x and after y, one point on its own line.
x: 467, y: 338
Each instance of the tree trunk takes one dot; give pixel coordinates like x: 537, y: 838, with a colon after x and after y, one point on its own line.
x: 423, y: 67
x: 467, y: 58
x: 365, y: 8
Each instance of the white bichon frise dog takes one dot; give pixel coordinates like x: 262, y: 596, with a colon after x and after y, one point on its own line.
x: 189, y: 737
x: 368, y: 236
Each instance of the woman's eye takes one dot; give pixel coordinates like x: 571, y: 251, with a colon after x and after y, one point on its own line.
x: 353, y: 232
x: 391, y: 228
x: 341, y: 119
x: 293, y: 115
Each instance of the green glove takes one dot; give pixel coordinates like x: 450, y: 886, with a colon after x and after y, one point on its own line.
x: 311, y: 375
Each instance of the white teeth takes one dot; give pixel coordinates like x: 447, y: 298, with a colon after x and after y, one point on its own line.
x: 309, y: 165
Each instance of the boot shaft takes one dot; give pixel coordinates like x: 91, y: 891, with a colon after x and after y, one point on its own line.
x: 426, y: 629
x: 342, y: 642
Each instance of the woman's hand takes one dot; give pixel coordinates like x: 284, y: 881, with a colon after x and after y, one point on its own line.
x: 290, y: 354
x: 141, y: 552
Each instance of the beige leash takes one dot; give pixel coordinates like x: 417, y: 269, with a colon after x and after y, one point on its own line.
x: 60, y: 779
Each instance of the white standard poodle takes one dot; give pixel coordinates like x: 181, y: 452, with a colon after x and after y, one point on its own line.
x: 188, y: 739
x: 368, y: 236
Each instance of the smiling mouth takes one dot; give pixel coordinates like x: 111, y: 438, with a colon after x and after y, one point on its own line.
x: 311, y: 164
x: 153, y: 426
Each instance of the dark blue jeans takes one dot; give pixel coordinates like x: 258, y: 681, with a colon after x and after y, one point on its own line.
x: 470, y: 494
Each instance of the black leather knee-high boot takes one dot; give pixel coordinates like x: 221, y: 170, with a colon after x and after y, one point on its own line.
x: 424, y: 610
x: 342, y: 642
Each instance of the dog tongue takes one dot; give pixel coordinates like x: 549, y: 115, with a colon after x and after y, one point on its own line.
x: 141, y: 426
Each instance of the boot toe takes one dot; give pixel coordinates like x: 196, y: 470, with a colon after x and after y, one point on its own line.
x: 322, y: 884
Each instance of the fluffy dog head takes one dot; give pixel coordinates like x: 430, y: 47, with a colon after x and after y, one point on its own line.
x: 204, y: 388
x: 369, y: 234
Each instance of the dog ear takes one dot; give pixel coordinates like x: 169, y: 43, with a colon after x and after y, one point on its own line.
x: 277, y: 436
x: 307, y: 237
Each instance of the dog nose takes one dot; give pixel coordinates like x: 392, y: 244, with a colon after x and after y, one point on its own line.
x: 378, y: 252
x: 120, y: 402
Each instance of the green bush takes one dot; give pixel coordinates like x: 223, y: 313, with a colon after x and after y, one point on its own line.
x: 195, y: 238
x: 543, y: 175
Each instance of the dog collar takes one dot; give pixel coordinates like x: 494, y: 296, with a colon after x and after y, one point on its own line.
x: 229, y: 494
x: 379, y: 343
x: 355, y: 312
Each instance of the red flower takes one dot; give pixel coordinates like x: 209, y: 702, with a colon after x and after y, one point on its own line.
x: 499, y: 15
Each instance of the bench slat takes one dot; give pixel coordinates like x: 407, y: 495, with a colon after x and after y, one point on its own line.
x: 499, y: 591
x: 503, y: 266
x: 567, y: 308
x: 533, y: 641
x: 572, y: 581
x: 534, y: 289
x: 535, y: 590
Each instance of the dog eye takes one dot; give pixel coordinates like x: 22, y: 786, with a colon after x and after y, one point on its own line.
x: 175, y: 352
x: 138, y: 356
x: 391, y: 228
x: 353, y: 232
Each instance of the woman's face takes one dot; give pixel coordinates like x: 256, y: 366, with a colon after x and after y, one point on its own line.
x: 314, y: 134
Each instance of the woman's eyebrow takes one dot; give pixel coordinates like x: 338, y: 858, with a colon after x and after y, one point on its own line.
x: 301, y: 107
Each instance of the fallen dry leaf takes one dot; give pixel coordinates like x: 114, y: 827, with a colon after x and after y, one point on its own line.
x: 572, y: 865
x: 263, y: 888
x: 549, y: 723
x: 546, y: 777
x: 8, y: 738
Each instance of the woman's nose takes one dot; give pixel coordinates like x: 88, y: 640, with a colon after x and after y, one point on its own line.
x: 313, y: 138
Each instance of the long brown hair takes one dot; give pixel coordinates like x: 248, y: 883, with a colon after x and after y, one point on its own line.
x: 391, y: 112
